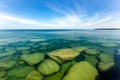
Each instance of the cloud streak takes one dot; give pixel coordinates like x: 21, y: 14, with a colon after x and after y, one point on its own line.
x: 77, y: 18
x: 4, y: 19
x: 69, y: 21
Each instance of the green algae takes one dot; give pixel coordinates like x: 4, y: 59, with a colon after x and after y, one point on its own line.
x: 59, y: 75
x: 34, y: 75
x: 91, y: 52
x: 20, y: 71
x: 83, y: 70
x: 33, y: 59
x: 48, y: 67
x: 5, y: 65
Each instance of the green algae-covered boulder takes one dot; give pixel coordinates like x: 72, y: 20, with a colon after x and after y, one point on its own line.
x: 9, y: 49
x: 34, y: 75
x: 20, y: 71
x: 5, y: 65
x: 34, y: 50
x: 8, y: 53
x: 91, y: 59
x: 26, y: 52
x: 48, y: 67
x: 103, y: 66
x: 106, y: 62
x: 91, y: 52
x: 2, y: 73
x: 22, y: 48
x: 33, y: 59
x: 59, y: 75
x: 44, y: 43
x: 80, y: 48
x: 6, y: 58
x: 81, y: 71
x: 106, y: 57
x: 63, y: 55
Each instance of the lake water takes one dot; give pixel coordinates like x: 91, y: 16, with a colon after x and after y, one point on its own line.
x: 60, y: 55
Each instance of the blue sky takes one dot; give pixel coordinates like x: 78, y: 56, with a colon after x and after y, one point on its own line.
x: 59, y: 14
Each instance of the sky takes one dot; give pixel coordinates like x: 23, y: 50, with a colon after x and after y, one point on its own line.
x: 59, y: 14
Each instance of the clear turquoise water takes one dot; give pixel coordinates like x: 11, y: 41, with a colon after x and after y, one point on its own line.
x: 45, y: 41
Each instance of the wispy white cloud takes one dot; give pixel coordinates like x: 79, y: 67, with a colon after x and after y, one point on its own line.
x: 65, y: 9
x: 69, y: 21
x: 63, y: 12
x: 77, y: 18
x: 17, y: 19
x: 95, y: 22
x: 114, y: 22
x: 75, y: 21
x: 21, y: 20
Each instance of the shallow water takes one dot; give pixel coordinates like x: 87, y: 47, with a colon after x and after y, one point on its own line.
x: 15, y: 44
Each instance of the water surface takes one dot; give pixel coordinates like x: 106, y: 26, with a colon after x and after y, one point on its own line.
x: 16, y: 43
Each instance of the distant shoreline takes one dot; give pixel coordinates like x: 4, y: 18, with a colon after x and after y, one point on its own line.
x: 107, y: 29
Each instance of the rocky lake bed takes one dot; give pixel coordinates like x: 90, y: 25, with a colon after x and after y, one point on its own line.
x: 51, y: 56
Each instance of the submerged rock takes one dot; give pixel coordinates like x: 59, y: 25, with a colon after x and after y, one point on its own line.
x: 26, y: 52
x: 80, y: 48
x: 63, y: 55
x: 34, y: 75
x: 108, y: 50
x: 59, y: 75
x: 92, y: 60
x: 91, y: 52
x: 5, y: 65
x: 9, y: 49
x: 44, y: 43
x: 81, y: 71
x: 2, y: 73
x: 33, y: 59
x: 106, y: 57
x: 20, y: 71
x: 103, y: 66
x: 22, y: 48
x: 48, y: 67
x: 106, y: 62
x: 8, y: 53
x: 6, y: 58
